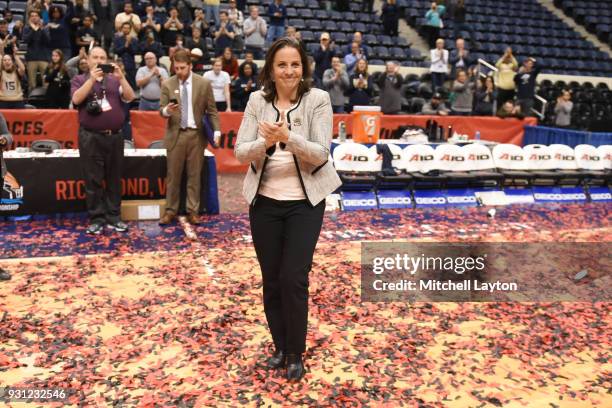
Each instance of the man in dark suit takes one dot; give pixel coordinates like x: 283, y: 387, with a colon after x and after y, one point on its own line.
x: 185, y: 99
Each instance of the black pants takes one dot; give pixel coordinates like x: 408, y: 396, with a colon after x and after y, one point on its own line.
x: 285, y: 234
x: 101, y: 158
x: 221, y: 106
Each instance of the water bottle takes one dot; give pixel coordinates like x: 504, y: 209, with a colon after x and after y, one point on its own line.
x: 477, y: 135
x: 342, y: 131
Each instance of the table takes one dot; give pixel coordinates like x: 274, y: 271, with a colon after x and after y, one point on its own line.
x: 52, y: 183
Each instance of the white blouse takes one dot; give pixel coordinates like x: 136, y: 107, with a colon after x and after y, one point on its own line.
x: 280, y: 180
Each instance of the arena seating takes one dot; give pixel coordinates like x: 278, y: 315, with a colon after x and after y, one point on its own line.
x: 595, y: 16
x: 530, y: 29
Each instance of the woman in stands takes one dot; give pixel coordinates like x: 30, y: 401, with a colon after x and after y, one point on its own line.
x: 563, y: 109
x: 57, y: 81
x: 244, y: 86
x: 285, y: 137
x: 360, y: 86
x: 230, y: 63
x: 433, y: 23
x: 486, y: 98
x: 11, y: 75
x: 463, y: 90
x: 507, y: 67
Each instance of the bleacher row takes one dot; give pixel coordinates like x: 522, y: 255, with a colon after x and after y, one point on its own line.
x: 595, y: 16
x: 474, y: 165
x: 526, y: 26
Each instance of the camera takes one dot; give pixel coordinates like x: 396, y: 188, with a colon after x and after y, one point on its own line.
x: 106, y: 68
x: 93, y: 107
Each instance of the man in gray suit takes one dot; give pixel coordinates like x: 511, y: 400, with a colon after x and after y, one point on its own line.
x: 6, y: 139
x: 185, y: 99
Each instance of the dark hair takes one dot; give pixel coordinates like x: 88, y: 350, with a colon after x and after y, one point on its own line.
x: 265, y: 78
x: 242, y: 66
x: 182, y: 55
x: 53, y: 9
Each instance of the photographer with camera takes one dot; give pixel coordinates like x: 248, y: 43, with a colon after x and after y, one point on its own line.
x: 98, y: 95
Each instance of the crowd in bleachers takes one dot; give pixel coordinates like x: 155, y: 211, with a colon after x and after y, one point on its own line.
x: 44, y: 43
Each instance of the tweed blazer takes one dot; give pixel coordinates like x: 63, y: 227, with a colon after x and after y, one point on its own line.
x: 310, y: 131
x: 203, y: 103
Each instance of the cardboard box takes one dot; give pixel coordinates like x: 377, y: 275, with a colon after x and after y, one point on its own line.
x: 135, y: 210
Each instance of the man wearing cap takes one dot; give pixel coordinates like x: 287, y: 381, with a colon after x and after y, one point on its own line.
x: 149, y: 79
x: 98, y: 96
x: 435, y: 107
x: 323, y: 55
x: 255, y: 29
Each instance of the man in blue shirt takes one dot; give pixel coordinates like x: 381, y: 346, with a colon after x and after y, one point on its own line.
x: 278, y: 14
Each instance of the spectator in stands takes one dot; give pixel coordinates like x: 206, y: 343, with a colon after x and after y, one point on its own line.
x: 129, y: 16
x: 7, y: 40
x: 245, y: 85
x: 151, y: 22
x: 229, y: 63
x: 160, y: 11
x: 486, y: 98
x: 433, y: 23
x: 435, y: 106
x: 249, y: 59
x: 37, y: 37
x: 360, y: 86
x: 220, y: 81
x: 351, y: 59
x: 126, y: 48
x: 316, y: 82
x: 86, y: 34
x: 563, y: 109
x: 525, y: 81
x: 390, y: 83
x: 196, y: 41
x: 59, y: 32
x: 439, y: 65
x: 237, y: 19
x: 197, y: 62
x: 8, y: 17
x: 172, y: 27
x: 459, y: 57
x: 18, y: 30
x: 390, y: 15
x: 179, y: 45
x: 224, y: 34
x: 78, y: 65
x: 336, y: 82
x: 211, y: 10
x: 463, y: 90
x: 13, y: 71
x: 200, y: 22
x: 506, y: 67
x: 367, y: 6
x: 510, y: 110
x: 149, y: 79
x: 184, y: 12
x: 323, y: 55
x: 291, y: 32
x: 255, y: 30
x: 358, y: 38
x: 105, y: 21
x: 341, y: 5
x: 277, y: 12
x: 57, y: 81
x: 150, y: 43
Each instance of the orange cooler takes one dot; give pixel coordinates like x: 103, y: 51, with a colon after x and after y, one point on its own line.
x: 366, y: 124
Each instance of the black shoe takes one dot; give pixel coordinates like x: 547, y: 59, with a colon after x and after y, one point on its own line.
x: 295, y: 367
x: 118, y: 226
x: 94, y: 228
x: 4, y: 275
x: 276, y: 361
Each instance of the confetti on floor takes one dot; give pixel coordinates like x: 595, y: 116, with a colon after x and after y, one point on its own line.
x: 152, y: 318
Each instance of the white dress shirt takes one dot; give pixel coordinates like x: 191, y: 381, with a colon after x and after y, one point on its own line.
x: 439, y: 63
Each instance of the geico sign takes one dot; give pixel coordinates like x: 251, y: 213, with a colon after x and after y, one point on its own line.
x: 394, y: 200
x: 350, y: 157
x: 418, y: 157
x: 507, y: 156
x: 461, y: 199
x: 601, y: 196
x: 362, y: 202
x: 430, y: 200
x: 448, y: 157
x: 559, y: 197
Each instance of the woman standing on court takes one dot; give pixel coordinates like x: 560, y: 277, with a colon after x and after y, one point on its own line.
x: 285, y: 138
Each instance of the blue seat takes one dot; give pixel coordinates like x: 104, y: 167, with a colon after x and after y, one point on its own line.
x: 376, y: 62
x: 350, y: 16
x: 359, y: 26
x: 384, y: 40
x: 314, y: 24
x: 340, y: 37
x: 321, y: 14
x: 305, y: 13
x: 298, y: 23
x: 382, y: 52
x: 330, y: 25
x: 307, y: 36
x: 397, y: 53
x: 335, y: 15
x: 291, y: 12
x: 370, y: 39
x: 345, y: 26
